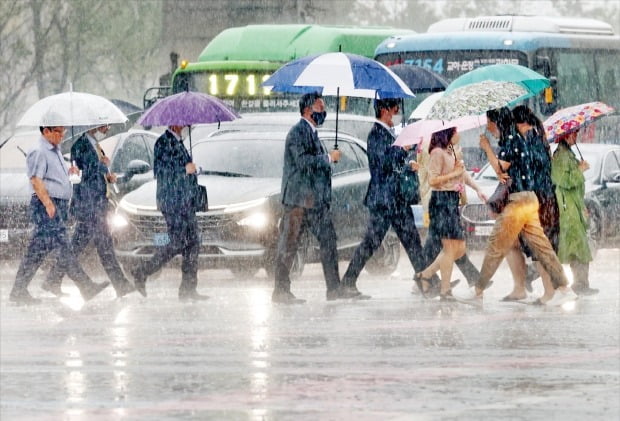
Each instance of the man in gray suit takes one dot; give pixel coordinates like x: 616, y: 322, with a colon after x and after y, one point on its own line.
x: 306, y: 197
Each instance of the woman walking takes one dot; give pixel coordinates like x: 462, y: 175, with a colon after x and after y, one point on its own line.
x: 447, y: 178
x: 567, y: 173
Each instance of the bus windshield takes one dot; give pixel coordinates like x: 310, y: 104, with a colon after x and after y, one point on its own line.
x: 238, y: 60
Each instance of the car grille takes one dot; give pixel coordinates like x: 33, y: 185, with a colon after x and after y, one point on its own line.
x: 148, y: 224
x: 476, y: 213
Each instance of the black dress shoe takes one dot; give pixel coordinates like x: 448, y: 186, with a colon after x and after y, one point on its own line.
x: 92, y: 290
x: 139, y: 281
x: 53, y: 289
x: 23, y: 298
x: 286, y: 297
x: 192, y: 296
x: 124, y: 289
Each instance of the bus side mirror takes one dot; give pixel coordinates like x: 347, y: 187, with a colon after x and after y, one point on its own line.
x: 548, y: 102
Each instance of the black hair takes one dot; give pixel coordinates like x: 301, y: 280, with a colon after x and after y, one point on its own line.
x: 307, y: 100
x: 384, y: 104
x: 523, y: 114
x: 502, y: 117
x: 441, y: 139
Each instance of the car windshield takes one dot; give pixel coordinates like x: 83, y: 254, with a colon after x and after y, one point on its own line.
x: 591, y: 156
x: 235, y: 158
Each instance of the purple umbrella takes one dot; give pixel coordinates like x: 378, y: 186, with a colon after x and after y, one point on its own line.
x: 187, y: 108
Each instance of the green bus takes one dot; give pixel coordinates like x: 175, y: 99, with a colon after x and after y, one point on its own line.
x: 235, y: 63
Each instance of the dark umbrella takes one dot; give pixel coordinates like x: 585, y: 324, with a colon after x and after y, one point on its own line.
x: 419, y: 79
x: 187, y: 108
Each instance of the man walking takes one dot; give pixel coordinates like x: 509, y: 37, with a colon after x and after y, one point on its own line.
x: 51, y: 192
x: 306, y: 197
x: 386, y: 206
x: 89, y: 206
x: 176, y: 191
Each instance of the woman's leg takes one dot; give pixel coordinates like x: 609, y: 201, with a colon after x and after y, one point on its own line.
x: 452, y: 250
x: 518, y: 268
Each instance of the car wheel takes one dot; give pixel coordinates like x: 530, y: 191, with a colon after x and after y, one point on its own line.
x: 299, y: 262
x: 244, y: 271
x: 595, y: 228
x: 385, y: 259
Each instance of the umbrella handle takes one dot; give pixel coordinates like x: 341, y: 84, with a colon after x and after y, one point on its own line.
x: 337, y: 112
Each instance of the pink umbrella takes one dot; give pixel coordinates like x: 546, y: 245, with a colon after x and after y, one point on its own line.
x: 570, y: 119
x: 421, y: 130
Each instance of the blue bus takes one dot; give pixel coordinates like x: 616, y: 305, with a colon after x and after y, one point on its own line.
x: 581, y: 57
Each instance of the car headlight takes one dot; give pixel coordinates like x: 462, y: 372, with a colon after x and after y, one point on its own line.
x: 257, y: 220
x: 117, y: 221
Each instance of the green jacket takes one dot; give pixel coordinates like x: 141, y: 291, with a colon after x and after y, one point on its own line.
x: 570, y: 191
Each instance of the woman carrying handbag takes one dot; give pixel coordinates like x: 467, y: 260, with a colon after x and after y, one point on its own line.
x: 520, y: 215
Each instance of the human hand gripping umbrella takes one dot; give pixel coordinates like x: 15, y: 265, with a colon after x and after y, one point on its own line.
x: 338, y: 74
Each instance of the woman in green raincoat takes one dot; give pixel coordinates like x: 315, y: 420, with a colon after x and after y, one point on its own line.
x: 567, y: 175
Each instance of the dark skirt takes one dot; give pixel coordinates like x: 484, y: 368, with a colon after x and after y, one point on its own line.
x: 445, y: 219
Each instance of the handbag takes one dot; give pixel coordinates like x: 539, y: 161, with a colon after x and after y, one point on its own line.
x: 201, y: 200
x: 409, y: 187
x: 499, y: 199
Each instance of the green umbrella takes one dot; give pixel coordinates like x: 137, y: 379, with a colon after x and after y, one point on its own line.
x: 532, y: 81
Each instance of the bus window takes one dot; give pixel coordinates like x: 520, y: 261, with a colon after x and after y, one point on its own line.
x: 608, y: 70
x: 574, y: 73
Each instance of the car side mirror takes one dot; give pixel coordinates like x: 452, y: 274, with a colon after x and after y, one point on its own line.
x: 614, y: 177
x: 136, y: 166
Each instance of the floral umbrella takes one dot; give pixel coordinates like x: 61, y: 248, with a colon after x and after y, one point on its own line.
x: 477, y: 98
x: 570, y: 119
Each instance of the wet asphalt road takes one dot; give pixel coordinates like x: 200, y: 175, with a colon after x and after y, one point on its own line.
x: 238, y: 357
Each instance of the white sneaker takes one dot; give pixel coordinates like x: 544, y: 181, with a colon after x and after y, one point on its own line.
x: 561, y: 297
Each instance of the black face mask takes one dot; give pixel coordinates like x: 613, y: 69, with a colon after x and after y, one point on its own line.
x: 318, y: 117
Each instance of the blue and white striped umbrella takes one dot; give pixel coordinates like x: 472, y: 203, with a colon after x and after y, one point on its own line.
x: 340, y: 74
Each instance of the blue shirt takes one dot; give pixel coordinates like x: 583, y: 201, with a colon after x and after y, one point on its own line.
x: 45, y: 161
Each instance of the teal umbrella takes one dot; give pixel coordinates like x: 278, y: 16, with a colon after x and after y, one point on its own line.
x: 532, y: 81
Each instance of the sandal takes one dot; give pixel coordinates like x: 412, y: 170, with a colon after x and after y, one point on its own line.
x: 447, y: 297
x: 419, y: 281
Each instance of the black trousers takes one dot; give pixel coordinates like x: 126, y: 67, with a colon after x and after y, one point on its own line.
x: 403, y: 222
x: 94, y: 226
x: 49, y: 234
x: 295, y: 221
x: 184, y: 240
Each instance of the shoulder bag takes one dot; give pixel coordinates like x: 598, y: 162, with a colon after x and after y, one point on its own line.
x: 499, y: 199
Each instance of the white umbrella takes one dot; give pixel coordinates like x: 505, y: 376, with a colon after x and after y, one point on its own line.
x: 72, y: 109
x: 421, y: 111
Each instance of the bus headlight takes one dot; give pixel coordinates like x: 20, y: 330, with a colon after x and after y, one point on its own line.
x: 257, y: 220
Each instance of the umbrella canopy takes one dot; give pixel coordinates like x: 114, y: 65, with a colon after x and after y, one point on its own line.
x: 421, y: 111
x: 532, y: 81
x: 338, y: 74
x: 416, y: 133
x: 477, y: 98
x: 72, y: 109
x: 419, y: 79
x: 571, y: 119
x: 187, y: 108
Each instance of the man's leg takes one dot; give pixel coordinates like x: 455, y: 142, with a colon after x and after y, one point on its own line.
x: 191, y: 249
x: 321, y: 225
x: 407, y: 233
x: 378, y: 225
x: 291, y: 228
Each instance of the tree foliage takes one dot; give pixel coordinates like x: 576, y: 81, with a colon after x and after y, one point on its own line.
x: 104, y: 47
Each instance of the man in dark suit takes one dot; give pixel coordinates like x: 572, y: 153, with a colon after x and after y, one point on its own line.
x: 386, y: 207
x: 306, y: 198
x: 89, y: 205
x: 176, y: 191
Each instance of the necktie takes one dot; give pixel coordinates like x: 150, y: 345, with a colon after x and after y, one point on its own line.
x: 100, y: 154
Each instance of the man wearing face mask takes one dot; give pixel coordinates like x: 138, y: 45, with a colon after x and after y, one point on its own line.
x: 51, y: 192
x: 90, y: 207
x: 306, y: 197
x: 386, y: 206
